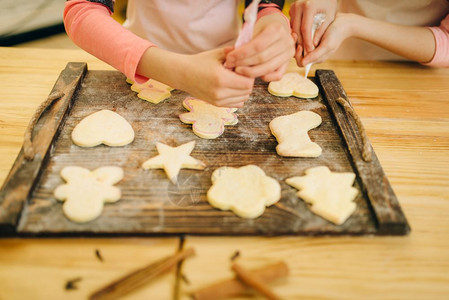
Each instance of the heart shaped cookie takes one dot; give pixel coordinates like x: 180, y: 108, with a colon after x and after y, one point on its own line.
x: 103, y: 127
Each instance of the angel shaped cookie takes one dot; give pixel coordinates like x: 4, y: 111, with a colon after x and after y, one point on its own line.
x: 246, y: 190
x: 291, y: 134
x: 293, y: 84
x: 172, y: 159
x: 330, y: 194
x: 103, y: 127
x: 152, y: 91
x: 85, y: 192
x: 207, y: 120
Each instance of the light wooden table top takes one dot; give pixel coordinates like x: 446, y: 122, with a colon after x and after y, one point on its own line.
x: 405, y: 109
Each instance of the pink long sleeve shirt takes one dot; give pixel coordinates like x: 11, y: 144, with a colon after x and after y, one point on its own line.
x: 405, y: 12
x: 183, y: 26
x: 441, y: 34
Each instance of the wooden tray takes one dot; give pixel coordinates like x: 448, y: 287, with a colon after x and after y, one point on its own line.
x: 150, y: 204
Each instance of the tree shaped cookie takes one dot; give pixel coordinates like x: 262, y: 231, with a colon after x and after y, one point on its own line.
x: 152, y: 91
x: 291, y: 134
x: 293, y: 84
x: 207, y: 120
x: 103, y: 127
x: 172, y: 159
x: 246, y: 190
x: 85, y: 192
x: 330, y: 194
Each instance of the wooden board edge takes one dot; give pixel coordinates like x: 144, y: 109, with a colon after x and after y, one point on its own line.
x: 24, y: 174
x: 383, y: 202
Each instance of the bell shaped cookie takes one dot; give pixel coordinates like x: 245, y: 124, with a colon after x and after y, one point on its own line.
x: 291, y: 132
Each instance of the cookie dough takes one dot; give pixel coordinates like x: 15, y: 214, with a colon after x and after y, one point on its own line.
x: 208, y: 120
x: 293, y: 84
x: 246, y: 190
x: 85, y: 192
x: 291, y: 134
x: 152, y: 91
x: 172, y: 159
x: 330, y: 194
x: 103, y: 127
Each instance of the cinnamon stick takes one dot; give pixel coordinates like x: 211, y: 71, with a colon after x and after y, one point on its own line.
x: 234, y: 287
x: 139, y: 277
x: 253, y: 281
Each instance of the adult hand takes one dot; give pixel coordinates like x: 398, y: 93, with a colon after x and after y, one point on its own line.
x: 337, y: 32
x: 301, y: 19
x: 268, y: 53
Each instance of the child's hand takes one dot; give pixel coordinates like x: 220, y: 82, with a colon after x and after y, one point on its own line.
x: 301, y: 18
x: 268, y: 53
x: 336, y: 33
x: 202, y: 75
x: 207, y: 79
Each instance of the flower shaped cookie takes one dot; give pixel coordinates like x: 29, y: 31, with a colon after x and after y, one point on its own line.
x: 208, y: 120
x: 86, y: 191
x: 246, y: 190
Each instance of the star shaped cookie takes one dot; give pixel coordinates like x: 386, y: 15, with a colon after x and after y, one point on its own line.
x: 172, y: 159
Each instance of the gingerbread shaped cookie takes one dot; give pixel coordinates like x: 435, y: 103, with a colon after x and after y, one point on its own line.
x: 103, y: 127
x: 246, y: 190
x: 172, y: 159
x: 152, y: 91
x: 330, y: 194
x: 85, y: 192
x: 293, y: 84
x: 291, y: 134
x: 208, y: 121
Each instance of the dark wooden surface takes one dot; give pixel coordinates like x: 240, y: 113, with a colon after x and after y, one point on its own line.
x: 152, y: 205
x: 24, y: 173
x: 375, y: 183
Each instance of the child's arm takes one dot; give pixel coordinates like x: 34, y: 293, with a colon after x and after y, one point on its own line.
x: 91, y: 27
x: 441, y: 34
x: 412, y: 42
x: 268, y: 53
x: 203, y: 75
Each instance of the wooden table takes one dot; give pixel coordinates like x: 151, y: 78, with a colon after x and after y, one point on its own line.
x: 405, y: 109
